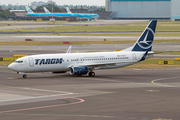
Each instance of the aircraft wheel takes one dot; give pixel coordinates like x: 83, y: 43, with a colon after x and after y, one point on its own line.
x: 24, y: 76
x: 91, y: 74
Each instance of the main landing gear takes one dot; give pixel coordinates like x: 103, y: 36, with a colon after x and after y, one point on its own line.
x: 91, y: 74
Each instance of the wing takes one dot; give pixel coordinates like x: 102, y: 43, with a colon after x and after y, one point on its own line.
x: 96, y: 66
x: 69, y: 50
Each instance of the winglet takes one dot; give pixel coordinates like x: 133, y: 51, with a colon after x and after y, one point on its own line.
x: 144, y: 56
x: 69, y: 50
x: 29, y: 11
x: 46, y: 10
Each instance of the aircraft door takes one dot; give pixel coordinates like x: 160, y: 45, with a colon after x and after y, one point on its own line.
x: 31, y: 62
x: 81, y: 60
x: 134, y: 57
x: 77, y: 60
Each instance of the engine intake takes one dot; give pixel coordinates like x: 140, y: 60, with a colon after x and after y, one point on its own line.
x: 79, y: 70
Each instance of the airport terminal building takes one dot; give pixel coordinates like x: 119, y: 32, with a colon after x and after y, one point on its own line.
x: 175, y: 9
x: 143, y: 9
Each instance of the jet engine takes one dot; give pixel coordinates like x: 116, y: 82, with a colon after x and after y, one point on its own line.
x: 79, y: 70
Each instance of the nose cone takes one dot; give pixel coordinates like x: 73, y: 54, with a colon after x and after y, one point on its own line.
x: 12, y: 67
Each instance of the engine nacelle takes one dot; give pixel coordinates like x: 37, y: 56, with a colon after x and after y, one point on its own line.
x: 79, y: 70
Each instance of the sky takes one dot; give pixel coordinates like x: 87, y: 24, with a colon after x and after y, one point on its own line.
x: 59, y: 2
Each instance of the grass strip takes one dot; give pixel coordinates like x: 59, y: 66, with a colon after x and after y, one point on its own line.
x: 103, y: 34
x: 93, y: 28
x: 115, y: 34
x: 153, y: 63
x: 169, y: 53
x: 32, y: 22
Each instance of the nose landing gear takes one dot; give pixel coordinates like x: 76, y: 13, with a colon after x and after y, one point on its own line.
x: 24, y: 76
x: 21, y: 73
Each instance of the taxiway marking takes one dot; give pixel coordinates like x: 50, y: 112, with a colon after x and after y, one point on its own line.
x: 40, y: 95
x: 161, y: 79
x: 50, y: 106
x: 46, y: 96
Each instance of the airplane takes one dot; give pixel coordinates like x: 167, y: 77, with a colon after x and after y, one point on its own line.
x: 70, y: 14
x: 81, y: 15
x: 47, y: 11
x: 87, y: 63
x: 31, y: 13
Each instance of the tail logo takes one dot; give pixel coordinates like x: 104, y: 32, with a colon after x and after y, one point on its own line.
x: 29, y: 11
x: 145, y: 43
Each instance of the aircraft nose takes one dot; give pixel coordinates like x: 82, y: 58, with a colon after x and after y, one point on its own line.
x: 12, y: 66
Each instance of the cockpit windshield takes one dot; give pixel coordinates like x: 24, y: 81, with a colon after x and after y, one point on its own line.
x: 18, y: 61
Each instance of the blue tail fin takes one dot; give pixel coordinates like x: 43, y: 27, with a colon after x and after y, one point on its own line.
x: 145, y: 41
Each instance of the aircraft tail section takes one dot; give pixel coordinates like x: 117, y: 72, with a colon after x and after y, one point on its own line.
x: 46, y: 10
x: 28, y: 10
x: 68, y: 11
x: 145, y: 41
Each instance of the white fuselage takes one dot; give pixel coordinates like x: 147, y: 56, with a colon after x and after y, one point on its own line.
x: 63, y: 62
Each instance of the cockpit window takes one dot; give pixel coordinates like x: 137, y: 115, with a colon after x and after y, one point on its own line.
x: 18, y: 61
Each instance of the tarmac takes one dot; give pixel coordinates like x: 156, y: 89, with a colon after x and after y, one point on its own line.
x: 7, y: 38
x: 27, y: 24
x: 113, y: 94
x: 125, y: 94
